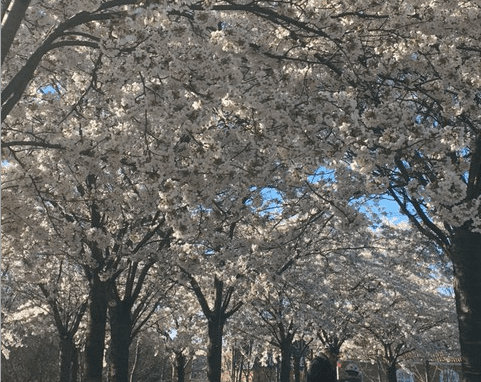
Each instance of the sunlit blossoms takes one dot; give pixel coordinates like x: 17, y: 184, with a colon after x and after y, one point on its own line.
x: 229, y: 157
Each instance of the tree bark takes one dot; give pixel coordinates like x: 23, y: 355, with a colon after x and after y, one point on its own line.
x: 380, y: 370
x: 466, y: 258
x: 66, y: 329
x: 299, y: 351
x: 216, y: 318
x: 286, y: 352
x: 120, y: 331
x: 241, y: 370
x: 75, y: 365
x: 180, y: 366
x: 214, y: 346
x: 136, y: 360
x: 297, y: 369
x: 391, y: 372
x: 427, y: 371
x: 12, y: 23
x: 95, y: 338
x: 68, y: 352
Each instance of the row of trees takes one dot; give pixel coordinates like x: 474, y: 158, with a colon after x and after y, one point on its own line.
x: 141, y: 138
x: 355, y: 301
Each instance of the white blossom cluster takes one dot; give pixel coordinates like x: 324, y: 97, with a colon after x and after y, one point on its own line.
x: 149, y: 132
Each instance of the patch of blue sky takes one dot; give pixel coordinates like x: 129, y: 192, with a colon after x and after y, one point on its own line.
x: 378, y: 205
x: 371, y: 205
x: 446, y: 291
x: 383, y: 206
x: 322, y: 173
x: 51, y: 90
x: 172, y: 333
x: 272, y: 201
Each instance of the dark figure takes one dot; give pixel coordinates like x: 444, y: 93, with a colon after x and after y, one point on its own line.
x: 321, y: 370
x: 353, y: 374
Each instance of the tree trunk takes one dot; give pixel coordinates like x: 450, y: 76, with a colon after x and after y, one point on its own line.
x: 216, y: 317
x: 391, y: 373
x: 241, y: 369
x: 466, y: 260
x: 180, y: 366
x: 297, y: 369
x: 278, y: 370
x: 12, y: 23
x: 427, y: 371
x: 75, y: 365
x: 95, y: 337
x: 136, y: 360
x: 120, y: 340
x: 380, y: 370
x: 67, y: 359
x: 299, y: 351
x: 285, y: 362
x: 214, y: 350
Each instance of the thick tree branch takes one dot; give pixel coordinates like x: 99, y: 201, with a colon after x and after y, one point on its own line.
x: 198, y: 292
x: 219, y: 289
x: 234, y: 309
x: 13, y: 92
x: 141, y: 279
x: 9, y: 29
x: 31, y: 144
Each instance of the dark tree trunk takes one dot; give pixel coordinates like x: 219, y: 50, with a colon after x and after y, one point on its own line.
x: 299, y: 352
x: 75, y: 365
x: 120, y: 331
x: 466, y: 258
x: 95, y: 337
x: 286, y: 362
x: 233, y: 373
x: 66, y: 329
x: 427, y: 371
x: 380, y: 370
x: 180, y: 366
x: 67, y: 359
x: 216, y: 318
x: 12, y: 23
x: 391, y: 373
x: 123, y: 317
x: 214, y: 347
x: 297, y: 369
x: 392, y: 354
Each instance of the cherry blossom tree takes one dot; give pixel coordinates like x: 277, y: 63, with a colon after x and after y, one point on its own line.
x: 67, y: 321
x: 216, y: 316
x: 53, y: 284
x: 403, y: 307
x: 182, y: 327
x: 407, y: 123
x: 282, y: 324
x: 194, y: 98
x: 132, y: 305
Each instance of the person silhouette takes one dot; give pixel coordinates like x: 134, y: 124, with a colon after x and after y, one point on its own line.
x: 353, y: 374
x: 321, y: 370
